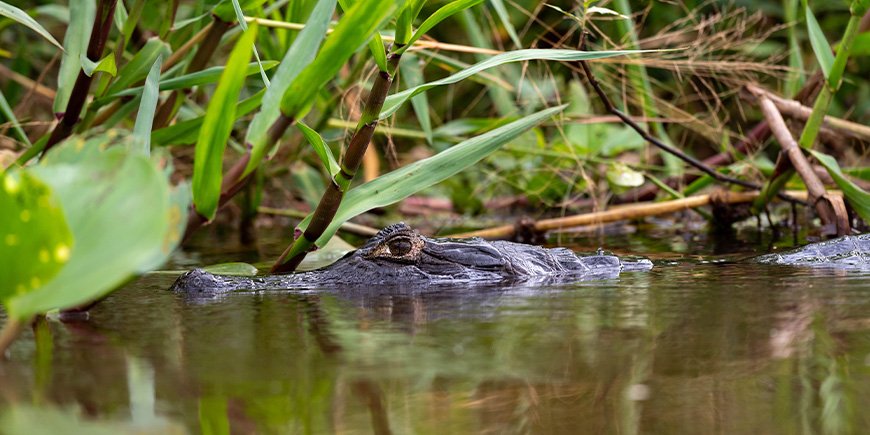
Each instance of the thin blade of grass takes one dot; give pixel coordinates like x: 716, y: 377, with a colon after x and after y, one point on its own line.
x: 7, y: 111
x: 240, y: 16
x: 393, y: 102
x: 412, y: 72
x: 505, y: 18
x: 20, y: 16
x: 440, y: 15
x: 187, y: 131
x: 139, y: 66
x: 820, y: 44
x: 216, y: 128
x: 403, y: 182
x: 301, y: 53
x: 147, y: 107
x: 75, y: 43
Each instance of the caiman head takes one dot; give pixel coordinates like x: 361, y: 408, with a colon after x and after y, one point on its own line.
x: 398, y: 254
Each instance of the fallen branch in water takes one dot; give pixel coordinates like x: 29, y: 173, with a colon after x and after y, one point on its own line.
x: 831, y: 209
x: 633, y: 211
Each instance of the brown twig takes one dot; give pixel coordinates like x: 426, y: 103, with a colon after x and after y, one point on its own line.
x: 831, y: 209
x: 78, y: 96
x: 801, y: 112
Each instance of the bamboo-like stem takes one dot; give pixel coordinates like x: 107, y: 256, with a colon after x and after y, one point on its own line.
x: 8, y: 335
x: 359, y: 142
x: 78, y: 96
x: 831, y: 210
x: 797, y: 110
x: 633, y: 211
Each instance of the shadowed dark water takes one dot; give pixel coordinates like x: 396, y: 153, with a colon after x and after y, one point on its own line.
x: 691, y: 347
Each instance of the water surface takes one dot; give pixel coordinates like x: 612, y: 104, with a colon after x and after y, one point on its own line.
x: 694, y: 346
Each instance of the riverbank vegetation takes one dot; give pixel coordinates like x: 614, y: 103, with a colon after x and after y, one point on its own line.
x: 128, y: 129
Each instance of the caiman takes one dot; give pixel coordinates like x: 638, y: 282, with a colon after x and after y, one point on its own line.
x: 398, y: 255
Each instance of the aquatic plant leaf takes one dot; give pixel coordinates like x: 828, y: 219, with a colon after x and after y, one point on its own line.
x: 204, y: 77
x: 233, y: 268
x: 35, y: 241
x: 75, y: 44
x: 186, y: 132
x: 393, y: 102
x: 858, y: 198
x: 217, y: 126
x: 147, y: 107
x: 20, y: 16
x: 403, y: 182
x: 353, y: 31
x: 819, y: 43
x: 321, y: 148
x: 123, y: 215
x: 298, y: 56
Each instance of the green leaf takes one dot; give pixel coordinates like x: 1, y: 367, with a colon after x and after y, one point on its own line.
x: 187, y: 131
x: 106, y: 65
x: 393, y: 102
x: 819, y: 43
x: 75, y: 43
x: 620, y: 175
x: 147, y: 107
x: 35, y: 241
x: 857, y: 197
x: 233, y: 268
x: 321, y: 148
x: 7, y: 112
x: 403, y: 182
x: 376, y: 46
x: 20, y: 16
x: 352, y: 32
x: 226, y: 9
x: 240, y: 16
x: 298, y: 56
x: 505, y: 19
x: 139, y: 66
x: 118, y: 205
x: 439, y: 16
x: 412, y: 72
x: 204, y: 77
x: 216, y: 128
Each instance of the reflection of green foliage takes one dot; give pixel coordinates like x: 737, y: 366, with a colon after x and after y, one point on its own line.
x: 21, y: 419
x: 124, y: 219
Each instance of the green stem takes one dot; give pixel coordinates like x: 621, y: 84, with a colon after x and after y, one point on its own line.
x: 331, y: 199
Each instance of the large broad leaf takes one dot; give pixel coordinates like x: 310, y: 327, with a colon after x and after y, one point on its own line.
x: 393, y: 102
x: 217, y: 125
x: 123, y: 215
x: 75, y: 44
x: 857, y: 197
x: 35, y: 241
x: 401, y: 183
x: 352, y: 32
x: 300, y: 54
x: 20, y: 16
x: 819, y: 43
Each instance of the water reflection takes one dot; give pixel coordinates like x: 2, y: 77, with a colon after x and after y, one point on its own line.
x: 694, y: 348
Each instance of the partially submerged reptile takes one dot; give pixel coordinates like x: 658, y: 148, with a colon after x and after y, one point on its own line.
x: 398, y: 255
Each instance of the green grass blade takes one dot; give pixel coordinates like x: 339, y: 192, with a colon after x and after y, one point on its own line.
x: 858, y: 198
x: 147, y: 107
x: 393, y: 102
x: 139, y: 66
x: 240, y: 16
x: 7, y: 112
x: 403, y: 182
x: 106, y: 65
x: 820, y: 44
x: 298, y: 56
x: 440, y: 15
x: 187, y: 131
x: 20, y: 16
x: 75, y: 44
x: 505, y: 18
x: 376, y: 46
x: 321, y: 148
x: 204, y: 77
x: 352, y: 32
x: 412, y: 72
x: 216, y: 128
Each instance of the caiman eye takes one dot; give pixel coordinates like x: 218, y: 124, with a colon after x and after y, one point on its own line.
x: 399, y: 247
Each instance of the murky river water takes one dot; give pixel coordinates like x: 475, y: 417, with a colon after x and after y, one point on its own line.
x: 691, y: 347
